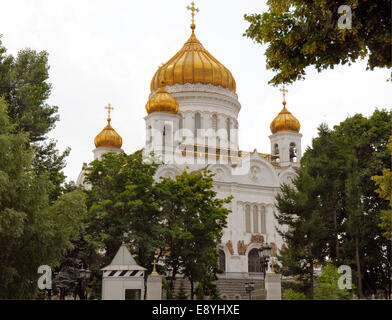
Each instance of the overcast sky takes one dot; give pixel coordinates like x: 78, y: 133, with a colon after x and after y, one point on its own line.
x: 104, y: 52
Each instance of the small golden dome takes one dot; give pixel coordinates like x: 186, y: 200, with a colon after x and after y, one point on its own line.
x: 162, y: 101
x: 108, y: 138
x: 193, y: 64
x: 285, y: 121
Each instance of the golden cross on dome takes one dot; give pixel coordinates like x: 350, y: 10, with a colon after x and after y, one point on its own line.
x: 284, y: 94
x: 109, y: 108
x: 193, y: 9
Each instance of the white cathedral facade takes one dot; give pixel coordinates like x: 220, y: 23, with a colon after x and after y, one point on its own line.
x: 192, y: 124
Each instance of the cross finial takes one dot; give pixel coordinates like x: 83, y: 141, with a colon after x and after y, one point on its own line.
x: 109, y: 108
x: 284, y: 90
x: 154, y: 271
x: 193, y: 12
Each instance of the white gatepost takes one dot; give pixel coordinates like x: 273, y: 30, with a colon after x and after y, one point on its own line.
x: 273, y: 286
x: 123, y: 279
x: 154, y: 285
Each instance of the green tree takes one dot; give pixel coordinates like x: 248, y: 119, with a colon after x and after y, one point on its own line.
x: 334, y: 188
x: 194, y: 223
x: 123, y: 207
x: 328, y: 288
x: 290, y: 294
x: 303, y: 33
x: 212, y: 291
x: 24, y: 85
x: 200, y: 292
x: 362, y: 148
x: 305, y: 231
x: 182, y: 293
x: 165, y: 285
x: 67, y: 278
x: 32, y: 232
x: 384, y: 191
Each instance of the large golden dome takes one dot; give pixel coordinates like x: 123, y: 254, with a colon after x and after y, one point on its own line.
x: 108, y: 138
x: 193, y: 64
x: 162, y: 101
x: 285, y: 121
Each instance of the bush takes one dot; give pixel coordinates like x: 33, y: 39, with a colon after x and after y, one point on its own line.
x: 165, y: 285
x: 200, y: 292
x: 290, y: 294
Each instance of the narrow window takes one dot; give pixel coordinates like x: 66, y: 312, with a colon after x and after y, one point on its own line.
x: 197, y: 123
x: 262, y: 219
x: 293, y: 152
x: 276, y: 149
x: 228, y: 130
x: 149, y: 134
x: 255, y: 219
x: 247, y: 218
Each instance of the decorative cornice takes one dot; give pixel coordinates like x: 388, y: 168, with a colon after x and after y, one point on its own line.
x: 199, y: 89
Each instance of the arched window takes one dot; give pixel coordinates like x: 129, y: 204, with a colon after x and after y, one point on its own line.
x: 222, y: 260
x: 276, y: 152
x: 276, y: 149
x: 293, y: 152
x: 197, y: 123
x: 247, y: 218
x: 254, y: 263
x: 255, y: 219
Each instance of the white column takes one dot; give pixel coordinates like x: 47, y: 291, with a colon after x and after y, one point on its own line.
x: 189, y: 126
x: 234, y: 135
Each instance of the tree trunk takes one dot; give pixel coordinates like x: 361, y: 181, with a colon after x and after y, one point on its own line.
x: 192, y: 288
x: 358, y: 263
x: 335, y: 225
x: 173, y: 278
x: 390, y: 272
x: 311, y: 280
x: 145, y: 286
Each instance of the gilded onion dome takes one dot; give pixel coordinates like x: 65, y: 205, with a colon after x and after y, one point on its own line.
x: 285, y: 121
x: 162, y: 101
x: 108, y: 138
x: 193, y: 64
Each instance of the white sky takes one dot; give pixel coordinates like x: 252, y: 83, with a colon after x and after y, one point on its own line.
x: 104, y: 52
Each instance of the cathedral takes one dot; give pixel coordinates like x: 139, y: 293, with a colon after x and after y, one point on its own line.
x: 192, y: 124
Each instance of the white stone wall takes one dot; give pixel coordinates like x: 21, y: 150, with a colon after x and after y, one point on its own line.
x: 99, y: 152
